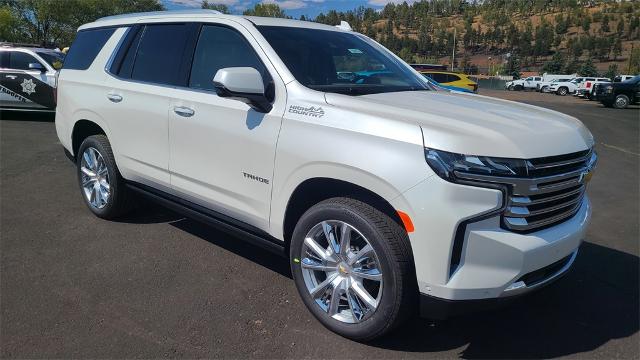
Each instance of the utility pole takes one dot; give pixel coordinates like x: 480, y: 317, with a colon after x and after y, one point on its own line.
x: 453, y: 57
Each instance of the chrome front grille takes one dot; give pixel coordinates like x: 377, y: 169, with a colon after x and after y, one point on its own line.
x: 551, y: 192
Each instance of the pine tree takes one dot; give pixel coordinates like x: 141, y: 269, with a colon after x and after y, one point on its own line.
x: 588, y: 69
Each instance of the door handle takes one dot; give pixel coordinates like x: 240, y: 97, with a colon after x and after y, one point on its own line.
x: 114, y: 98
x: 12, y: 77
x: 183, y: 111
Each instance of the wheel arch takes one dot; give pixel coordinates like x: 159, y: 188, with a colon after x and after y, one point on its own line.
x: 82, y: 129
x: 313, y: 190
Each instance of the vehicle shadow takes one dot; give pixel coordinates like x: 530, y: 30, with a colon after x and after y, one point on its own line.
x: 37, y: 116
x: 595, y: 303
x: 149, y: 212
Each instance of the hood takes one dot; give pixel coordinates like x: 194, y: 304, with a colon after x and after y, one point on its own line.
x: 476, y: 125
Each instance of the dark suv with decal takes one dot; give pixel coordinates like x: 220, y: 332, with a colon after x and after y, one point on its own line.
x: 28, y: 77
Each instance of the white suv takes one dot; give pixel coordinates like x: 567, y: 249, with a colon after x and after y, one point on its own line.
x: 386, y: 196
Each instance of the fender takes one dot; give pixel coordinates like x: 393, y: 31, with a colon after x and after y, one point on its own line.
x: 282, y: 194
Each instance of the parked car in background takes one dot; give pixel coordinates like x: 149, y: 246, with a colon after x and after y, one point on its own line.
x: 529, y: 83
x: 620, y: 94
x: 28, y: 77
x: 599, y: 87
x: 443, y: 87
x: 563, y: 88
x: 544, y: 85
x: 534, y: 82
x: 585, y: 89
x: 452, y: 79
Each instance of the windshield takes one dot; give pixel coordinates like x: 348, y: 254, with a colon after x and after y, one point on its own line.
x: 634, y: 79
x: 54, y: 59
x: 340, y: 62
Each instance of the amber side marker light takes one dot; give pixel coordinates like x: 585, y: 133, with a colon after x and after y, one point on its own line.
x: 406, y: 221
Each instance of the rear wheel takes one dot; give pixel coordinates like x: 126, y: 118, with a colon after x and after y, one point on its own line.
x: 353, y: 268
x: 562, y: 91
x: 621, y: 102
x: 101, y: 184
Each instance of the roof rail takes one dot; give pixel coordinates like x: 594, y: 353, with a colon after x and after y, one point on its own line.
x: 12, y: 44
x: 344, y: 26
x: 168, y: 12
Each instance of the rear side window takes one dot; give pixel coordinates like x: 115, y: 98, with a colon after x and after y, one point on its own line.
x: 438, y: 77
x: 220, y: 47
x: 20, y: 61
x: 160, y: 53
x: 86, y: 47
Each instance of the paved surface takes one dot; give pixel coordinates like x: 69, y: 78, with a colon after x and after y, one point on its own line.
x: 157, y: 285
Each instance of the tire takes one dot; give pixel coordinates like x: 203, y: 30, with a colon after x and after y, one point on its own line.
x: 392, y: 256
x: 510, y: 88
x: 518, y: 88
x: 562, y: 91
x: 110, y: 201
x: 621, y: 102
x: 543, y: 89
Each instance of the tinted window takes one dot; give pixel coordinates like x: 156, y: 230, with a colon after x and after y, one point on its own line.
x: 220, y: 47
x: 452, y: 77
x: 340, y: 62
x: 4, y: 59
x: 127, y: 54
x: 160, y: 54
x: 85, y: 48
x: 438, y: 77
x: 55, y: 59
x: 20, y: 61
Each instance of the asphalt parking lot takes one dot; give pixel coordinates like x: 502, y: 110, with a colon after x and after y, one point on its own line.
x: 157, y: 285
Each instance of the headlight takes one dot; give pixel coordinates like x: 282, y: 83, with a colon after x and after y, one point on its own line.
x: 450, y: 166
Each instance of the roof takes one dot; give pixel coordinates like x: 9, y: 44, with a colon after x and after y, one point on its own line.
x: 202, y: 14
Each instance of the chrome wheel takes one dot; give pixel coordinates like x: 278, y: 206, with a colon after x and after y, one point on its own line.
x: 95, y: 178
x: 341, y: 271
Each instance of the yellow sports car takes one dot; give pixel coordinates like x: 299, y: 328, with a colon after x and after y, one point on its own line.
x: 452, y: 79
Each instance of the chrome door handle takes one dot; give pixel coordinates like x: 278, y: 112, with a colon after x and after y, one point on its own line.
x: 183, y: 111
x: 12, y: 77
x: 114, y: 98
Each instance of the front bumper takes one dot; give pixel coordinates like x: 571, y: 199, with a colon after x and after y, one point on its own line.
x: 491, y: 262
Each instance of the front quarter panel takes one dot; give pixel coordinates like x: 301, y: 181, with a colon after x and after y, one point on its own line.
x: 385, y: 156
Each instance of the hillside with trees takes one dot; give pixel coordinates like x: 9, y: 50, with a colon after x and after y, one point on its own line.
x: 507, y: 36
x: 495, y: 37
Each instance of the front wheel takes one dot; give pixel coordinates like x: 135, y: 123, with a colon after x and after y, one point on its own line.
x: 101, y: 184
x: 562, y: 91
x: 353, y: 268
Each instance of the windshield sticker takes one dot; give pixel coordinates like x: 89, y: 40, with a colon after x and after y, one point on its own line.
x: 355, y: 51
x: 316, y: 112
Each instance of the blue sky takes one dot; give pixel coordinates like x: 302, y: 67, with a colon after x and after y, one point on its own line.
x: 293, y: 8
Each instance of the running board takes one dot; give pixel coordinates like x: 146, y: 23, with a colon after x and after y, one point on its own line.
x: 222, y: 222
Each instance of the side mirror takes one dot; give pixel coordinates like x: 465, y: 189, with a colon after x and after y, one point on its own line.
x: 37, y: 66
x: 242, y: 84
